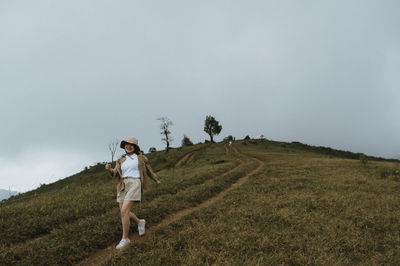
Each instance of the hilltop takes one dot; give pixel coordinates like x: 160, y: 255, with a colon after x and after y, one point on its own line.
x: 252, y: 202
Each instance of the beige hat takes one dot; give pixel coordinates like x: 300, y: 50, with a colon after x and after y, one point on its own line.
x: 130, y: 140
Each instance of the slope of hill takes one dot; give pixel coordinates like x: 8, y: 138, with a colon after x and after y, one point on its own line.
x: 95, y: 175
x: 257, y: 202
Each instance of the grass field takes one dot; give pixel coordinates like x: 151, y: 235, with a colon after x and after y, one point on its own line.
x: 301, y: 207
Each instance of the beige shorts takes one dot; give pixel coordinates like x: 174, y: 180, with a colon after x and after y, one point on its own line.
x: 132, y: 190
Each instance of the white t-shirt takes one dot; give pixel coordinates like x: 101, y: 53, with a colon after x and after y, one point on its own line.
x: 130, y: 167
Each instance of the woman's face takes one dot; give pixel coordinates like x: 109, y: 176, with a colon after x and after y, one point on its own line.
x: 129, y: 148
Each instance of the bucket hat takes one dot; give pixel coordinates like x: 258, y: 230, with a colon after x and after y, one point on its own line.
x: 130, y: 140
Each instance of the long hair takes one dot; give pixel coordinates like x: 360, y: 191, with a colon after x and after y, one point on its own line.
x: 137, y: 149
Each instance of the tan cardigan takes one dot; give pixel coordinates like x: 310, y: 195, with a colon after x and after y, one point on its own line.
x: 144, y: 169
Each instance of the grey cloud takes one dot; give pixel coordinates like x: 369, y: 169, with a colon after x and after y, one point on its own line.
x: 324, y: 73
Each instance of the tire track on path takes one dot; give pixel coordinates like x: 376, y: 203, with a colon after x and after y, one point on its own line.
x: 102, y: 256
x: 184, y: 159
x: 191, y: 158
x: 188, y: 157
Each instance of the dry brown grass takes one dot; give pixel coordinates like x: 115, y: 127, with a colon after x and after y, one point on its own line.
x: 303, y: 208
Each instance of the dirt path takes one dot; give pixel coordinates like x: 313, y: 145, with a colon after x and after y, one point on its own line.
x: 187, y: 158
x: 227, y: 150
x: 192, y: 156
x: 101, y: 256
x: 183, y: 159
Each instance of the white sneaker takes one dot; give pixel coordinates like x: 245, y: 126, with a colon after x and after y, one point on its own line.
x: 141, y: 227
x: 123, y: 243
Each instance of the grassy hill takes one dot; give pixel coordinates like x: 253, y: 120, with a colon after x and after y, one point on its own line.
x: 299, y: 205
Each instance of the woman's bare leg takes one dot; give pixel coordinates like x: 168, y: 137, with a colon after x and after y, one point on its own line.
x: 125, y: 208
x: 134, y: 218
x: 126, y: 215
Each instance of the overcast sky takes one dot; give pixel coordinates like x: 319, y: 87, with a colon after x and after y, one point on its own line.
x: 74, y: 75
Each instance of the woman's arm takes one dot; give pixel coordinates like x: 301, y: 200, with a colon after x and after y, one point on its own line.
x: 150, y: 171
x: 111, y: 171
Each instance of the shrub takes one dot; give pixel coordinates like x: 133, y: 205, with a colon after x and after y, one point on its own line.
x: 390, y: 173
x: 385, y: 173
x: 228, y: 138
x: 396, y: 175
x: 363, y: 159
x: 186, y: 141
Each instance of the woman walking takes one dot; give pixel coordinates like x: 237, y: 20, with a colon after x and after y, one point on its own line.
x: 133, y: 169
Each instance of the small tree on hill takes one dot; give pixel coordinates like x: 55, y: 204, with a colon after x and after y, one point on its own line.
x: 212, y: 127
x: 186, y: 141
x: 113, y: 148
x: 165, y: 125
x: 228, y: 138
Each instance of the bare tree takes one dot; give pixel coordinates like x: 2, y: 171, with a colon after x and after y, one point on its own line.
x: 113, y: 148
x: 165, y: 125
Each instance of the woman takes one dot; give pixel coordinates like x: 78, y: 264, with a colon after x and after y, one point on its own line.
x: 133, y: 169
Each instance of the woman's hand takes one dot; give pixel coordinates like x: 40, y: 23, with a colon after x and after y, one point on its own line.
x: 158, y: 182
